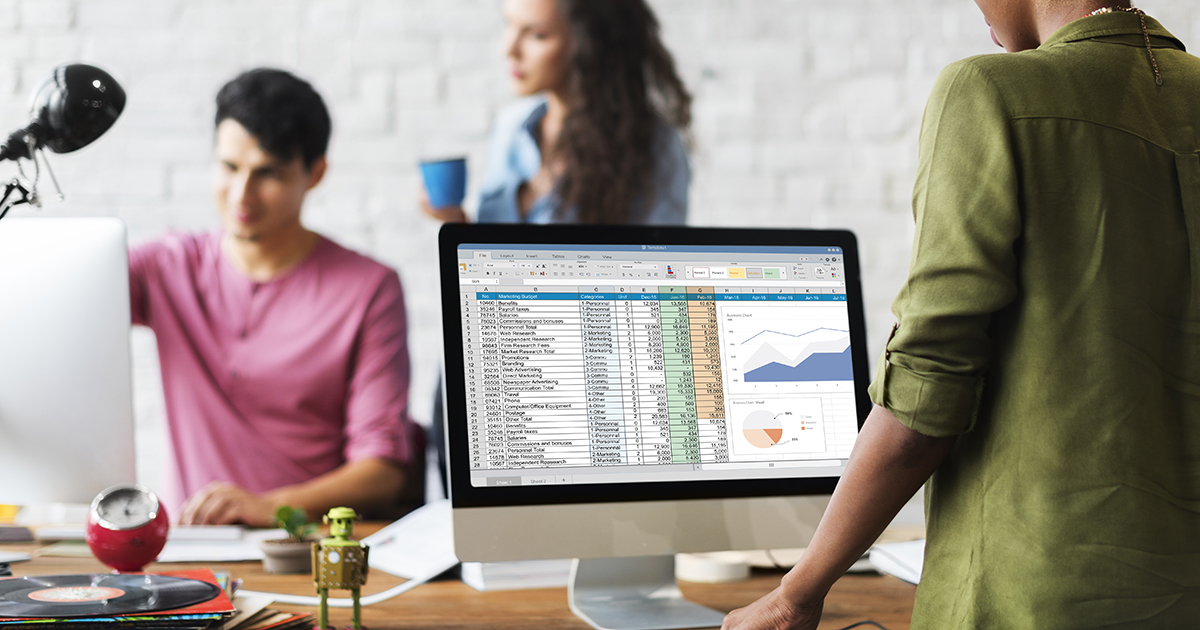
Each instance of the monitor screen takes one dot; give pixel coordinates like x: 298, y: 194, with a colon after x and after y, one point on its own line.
x: 66, y: 410
x: 615, y: 364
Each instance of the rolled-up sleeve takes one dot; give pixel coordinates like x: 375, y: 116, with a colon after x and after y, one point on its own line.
x: 143, y: 264
x: 966, y: 204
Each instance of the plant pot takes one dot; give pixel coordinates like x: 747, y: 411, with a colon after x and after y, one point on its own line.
x: 286, y: 556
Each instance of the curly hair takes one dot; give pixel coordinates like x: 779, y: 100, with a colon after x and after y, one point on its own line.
x: 621, y: 85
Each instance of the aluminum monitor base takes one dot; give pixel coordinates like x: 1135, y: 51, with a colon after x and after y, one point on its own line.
x: 638, y: 593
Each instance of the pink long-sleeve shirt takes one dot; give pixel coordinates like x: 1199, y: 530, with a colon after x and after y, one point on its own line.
x: 273, y: 383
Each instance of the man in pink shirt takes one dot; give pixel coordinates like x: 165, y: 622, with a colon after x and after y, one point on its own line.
x: 284, y: 356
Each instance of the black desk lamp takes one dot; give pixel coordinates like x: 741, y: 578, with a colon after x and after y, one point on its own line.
x: 72, y: 107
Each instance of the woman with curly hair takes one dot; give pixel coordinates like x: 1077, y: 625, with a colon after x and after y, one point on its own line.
x: 597, y: 140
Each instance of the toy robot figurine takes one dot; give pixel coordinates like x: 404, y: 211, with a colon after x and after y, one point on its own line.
x: 339, y: 562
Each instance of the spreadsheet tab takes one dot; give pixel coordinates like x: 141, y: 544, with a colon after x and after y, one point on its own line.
x: 635, y: 363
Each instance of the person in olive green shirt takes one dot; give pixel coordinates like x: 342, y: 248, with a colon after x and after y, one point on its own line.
x: 1046, y: 359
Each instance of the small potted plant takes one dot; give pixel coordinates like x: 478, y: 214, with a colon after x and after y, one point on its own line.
x: 292, y: 554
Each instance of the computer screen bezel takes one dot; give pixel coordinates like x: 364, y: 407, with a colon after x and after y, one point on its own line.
x: 452, y: 236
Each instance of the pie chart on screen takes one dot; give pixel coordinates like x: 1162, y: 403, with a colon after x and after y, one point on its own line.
x: 762, y: 429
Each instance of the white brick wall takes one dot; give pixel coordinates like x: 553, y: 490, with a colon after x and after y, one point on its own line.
x: 806, y: 115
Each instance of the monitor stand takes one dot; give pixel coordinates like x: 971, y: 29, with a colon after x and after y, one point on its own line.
x: 637, y: 593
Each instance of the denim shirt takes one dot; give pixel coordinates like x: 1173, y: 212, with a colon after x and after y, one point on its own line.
x: 514, y: 158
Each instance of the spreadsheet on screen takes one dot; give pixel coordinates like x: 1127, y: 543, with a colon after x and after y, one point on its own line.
x: 632, y: 363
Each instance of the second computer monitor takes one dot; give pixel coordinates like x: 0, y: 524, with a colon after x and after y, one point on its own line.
x: 619, y: 395
x: 612, y: 373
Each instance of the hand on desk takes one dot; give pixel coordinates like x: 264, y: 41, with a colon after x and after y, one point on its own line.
x: 360, y: 484
x: 221, y: 503
x: 775, y: 611
x: 888, y: 464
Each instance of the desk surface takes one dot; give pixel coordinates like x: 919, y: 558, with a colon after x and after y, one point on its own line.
x: 452, y: 604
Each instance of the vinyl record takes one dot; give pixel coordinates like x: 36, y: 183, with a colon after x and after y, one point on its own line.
x: 66, y: 596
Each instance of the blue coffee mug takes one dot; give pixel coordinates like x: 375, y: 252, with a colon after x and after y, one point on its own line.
x: 445, y: 182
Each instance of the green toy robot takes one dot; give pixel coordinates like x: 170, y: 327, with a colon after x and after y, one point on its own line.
x: 339, y: 562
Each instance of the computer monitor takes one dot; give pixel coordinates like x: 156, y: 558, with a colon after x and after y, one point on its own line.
x: 622, y: 394
x: 66, y: 411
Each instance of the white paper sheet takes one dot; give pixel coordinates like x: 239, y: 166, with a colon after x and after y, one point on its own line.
x: 13, y: 556
x: 417, y: 544
x: 419, y: 547
x: 901, y: 559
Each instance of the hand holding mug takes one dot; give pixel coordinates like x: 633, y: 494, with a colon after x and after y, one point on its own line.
x: 445, y: 189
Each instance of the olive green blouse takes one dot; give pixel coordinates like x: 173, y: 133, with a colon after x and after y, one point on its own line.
x: 1051, y: 320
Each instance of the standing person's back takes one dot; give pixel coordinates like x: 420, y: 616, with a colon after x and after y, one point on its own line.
x: 1069, y: 227
x: 1043, y: 368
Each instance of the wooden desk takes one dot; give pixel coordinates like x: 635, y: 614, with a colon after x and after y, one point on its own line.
x: 451, y: 604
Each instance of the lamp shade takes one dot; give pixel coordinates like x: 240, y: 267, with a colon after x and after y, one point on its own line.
x: 74, y: 105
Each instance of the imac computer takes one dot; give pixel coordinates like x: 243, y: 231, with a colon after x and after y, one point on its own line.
x: 618, y: 395
x: 66, y: 411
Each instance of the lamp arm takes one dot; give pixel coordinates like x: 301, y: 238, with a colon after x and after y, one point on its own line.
x: 22, y: 142
x: 6, y: 204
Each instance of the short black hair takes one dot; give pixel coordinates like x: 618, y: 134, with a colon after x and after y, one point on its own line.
x: 284, y: 113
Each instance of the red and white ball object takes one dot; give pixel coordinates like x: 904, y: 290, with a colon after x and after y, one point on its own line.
x: 127, y: 527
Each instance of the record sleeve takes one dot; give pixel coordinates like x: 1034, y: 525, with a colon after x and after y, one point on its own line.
x: 169, y: 598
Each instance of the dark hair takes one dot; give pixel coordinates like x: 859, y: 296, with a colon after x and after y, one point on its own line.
x: 284, y: 113
x: 621, y: 86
